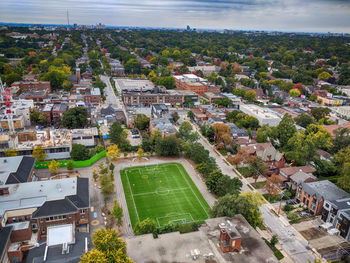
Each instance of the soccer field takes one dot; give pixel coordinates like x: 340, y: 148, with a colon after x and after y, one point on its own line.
x: 163, y: 192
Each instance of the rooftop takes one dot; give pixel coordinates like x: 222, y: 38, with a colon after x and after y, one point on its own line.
x: 15, y: 169
x: 176, y: 247
x: 325, y: 189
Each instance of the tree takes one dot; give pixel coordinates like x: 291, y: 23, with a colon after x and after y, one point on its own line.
x: 70, y: 165
x: 146, y: 226
x: 257, y: 168
x: 207, y: 167
x: 320, y: 113
x: 239, y: 92
x: 221, y: 184
x: 11, y: 153
x: 225, y: 102
x: 261, y: 136
x: 190, y: 114
x: 107, y: 185
x: 95, y: 174
x: 250, y: 96
x: 57, y: 75
x: 79, y: 152
x: 108, y: 243
x: 132, y: 66
x: 220, y: 129
x: 140, y: 153
x: 168, y: 82
x: 294, y: 93
x: 231, y: 205
x: 115, y: 133
x: 285, y: 130
x: 75, y: 118
x: 38, y: 117
x: 304, y: 120
x: 142, y: 122
x: 324, y: 76
x: 196, y: 152
x: 169, y: 146
x: 175, y: 116
x: 113, y: 151
x: 54, y: 166
x: 67, y: 85
x: 117, y: 212
x: 39, y: 153
x: 255, y: 198
x: 111, y: 167
x: 185, y: 132
x: 272, y: 186
x: 341, y: 139
x: 274, y: 240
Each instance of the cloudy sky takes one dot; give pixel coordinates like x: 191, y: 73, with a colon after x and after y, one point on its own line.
x: 284, y: 15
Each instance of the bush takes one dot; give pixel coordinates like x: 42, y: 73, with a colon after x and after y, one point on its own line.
x: 277, y: 253
x: 293, y: 217
x: 79, y: 152
x: 288, y: 208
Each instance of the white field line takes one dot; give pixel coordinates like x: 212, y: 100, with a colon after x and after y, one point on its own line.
x: 192, y: 190
x: 132, y: 196
x: 169, y: 190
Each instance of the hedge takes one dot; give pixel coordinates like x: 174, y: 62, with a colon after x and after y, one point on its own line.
x: 277, y: 253
x: 76, y: 164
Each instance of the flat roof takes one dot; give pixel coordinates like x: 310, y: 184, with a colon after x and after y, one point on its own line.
x: 35, y: 194
x: 60, y: 234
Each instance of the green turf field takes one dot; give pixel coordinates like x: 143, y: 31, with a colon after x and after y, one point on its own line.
x: 163, y: 192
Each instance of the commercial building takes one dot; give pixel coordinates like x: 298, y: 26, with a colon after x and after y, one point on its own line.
x: 207, y: 70
x: 16, y: 169
x: 264, y: 115
x: 27, y: 86
x: 195, y: 84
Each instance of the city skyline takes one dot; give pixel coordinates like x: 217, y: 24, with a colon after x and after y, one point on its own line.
x: 271, y: 15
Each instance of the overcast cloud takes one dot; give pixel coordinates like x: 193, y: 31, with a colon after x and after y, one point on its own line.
x: 284, y: 15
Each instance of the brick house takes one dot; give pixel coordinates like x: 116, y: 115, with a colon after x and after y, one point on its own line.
x: 57, y: 113
x: 314, y: 194
x: 195, y: 84
x: 230, y: 239
x: 30, y: 208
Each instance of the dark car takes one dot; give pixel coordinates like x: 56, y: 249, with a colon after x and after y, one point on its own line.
x: 291, y: 202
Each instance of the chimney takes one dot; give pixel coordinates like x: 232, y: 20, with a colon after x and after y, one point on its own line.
x: 77, y: 74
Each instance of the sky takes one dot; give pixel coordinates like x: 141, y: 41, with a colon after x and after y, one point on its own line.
x: 280, y: 15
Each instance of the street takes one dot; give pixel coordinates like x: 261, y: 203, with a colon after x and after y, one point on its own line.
x: 291, y: 241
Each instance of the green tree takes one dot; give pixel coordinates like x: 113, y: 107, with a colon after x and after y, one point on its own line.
x: 175, y: 116
x: 117, y: 213
x: 196, y: 152
x: 67, y: 85
x: 190, y: 115
x: 225, y: 102
x: 169, y: 146
x: 107, y: 185
x: 285, y: 130
x: 168, y: 82
x: 142, y: 122
x: 75, y: 118
x: 146, y: 226
x: 304, y: 120
x: 257, y: 168
x: 341, y: 139
x: 320, y: 113
x: 70, y: 165
x: 79, y: 152
x: 239, y: 92
x: 250, y: 96
x: 39, y: 153
x: 231, y: 205
x: 132, y: 66
x: 185, y: 132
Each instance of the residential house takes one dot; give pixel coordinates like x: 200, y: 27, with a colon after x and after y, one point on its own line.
x: 164, y: 125
x: 159, y: 110
x: 314, y: 194
x: 287, y: 172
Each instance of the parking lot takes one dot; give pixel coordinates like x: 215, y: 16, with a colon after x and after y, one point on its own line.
x: 134, y: 137
x: 329, y: 246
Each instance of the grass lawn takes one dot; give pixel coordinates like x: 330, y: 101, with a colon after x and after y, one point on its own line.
x: 258, y: 185
x: 164, y: 192
x: 243, y: 171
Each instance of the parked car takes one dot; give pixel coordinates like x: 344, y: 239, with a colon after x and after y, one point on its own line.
x: 304, y: 214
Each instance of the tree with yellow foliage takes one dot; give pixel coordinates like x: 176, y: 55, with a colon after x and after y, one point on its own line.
x: 140, y: 153
x: 113, y: 151
x: 54, y: 166
x: 39, y: 153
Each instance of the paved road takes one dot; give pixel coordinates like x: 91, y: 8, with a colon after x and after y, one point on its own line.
x: 291, y: 241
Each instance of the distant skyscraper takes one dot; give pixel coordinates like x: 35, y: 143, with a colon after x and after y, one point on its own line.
x: 188, y: 28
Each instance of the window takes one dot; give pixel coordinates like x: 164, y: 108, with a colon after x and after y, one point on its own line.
x: 82, y: 211
x: 326, y: 205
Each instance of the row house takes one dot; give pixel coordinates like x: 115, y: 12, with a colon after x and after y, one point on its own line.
x: 314, y: 194
x: 31, y: 208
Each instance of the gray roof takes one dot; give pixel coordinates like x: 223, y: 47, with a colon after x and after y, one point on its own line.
x: 325, y: 189
x: 5, y: 234
x: 36, y: 194
x: 300, y: 176
x: 17, y: 169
